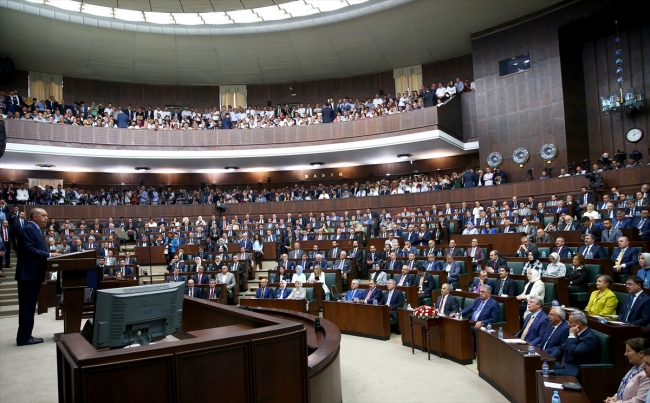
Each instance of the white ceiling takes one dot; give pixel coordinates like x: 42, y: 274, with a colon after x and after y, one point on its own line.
x: 299, y: 49
x: 423, y: 145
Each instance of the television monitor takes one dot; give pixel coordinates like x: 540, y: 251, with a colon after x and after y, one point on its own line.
x: 120, y: 313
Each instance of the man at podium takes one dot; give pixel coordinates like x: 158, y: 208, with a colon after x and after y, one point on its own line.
x: 30, y: 273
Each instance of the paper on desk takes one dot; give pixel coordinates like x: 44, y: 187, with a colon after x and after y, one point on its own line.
x: 514, y: 341
x: 553, y: 385
x: 616, y: 322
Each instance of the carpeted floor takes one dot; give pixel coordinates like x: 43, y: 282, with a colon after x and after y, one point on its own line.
x: 372, y: 371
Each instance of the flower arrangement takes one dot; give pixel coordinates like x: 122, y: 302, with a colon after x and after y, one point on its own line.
x: 425, y: 312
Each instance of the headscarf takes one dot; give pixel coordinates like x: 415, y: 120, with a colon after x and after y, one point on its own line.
x: 535, y: 257
x: 646, y: 258
x: 534, y: 276
x: 299, y: 269
x: 555, y: 256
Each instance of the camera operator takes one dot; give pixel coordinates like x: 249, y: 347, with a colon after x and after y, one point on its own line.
x: 634, y: 160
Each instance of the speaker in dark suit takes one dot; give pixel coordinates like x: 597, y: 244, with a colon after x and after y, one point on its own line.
x: 30, y: 273
x: 636, y: 307
x: 446, y: 302
x: 505, y: 285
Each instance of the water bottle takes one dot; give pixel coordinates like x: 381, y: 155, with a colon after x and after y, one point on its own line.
x: 531, y: 350
x: 439, y: 253
x: 543, y: 253
x: 327, y: 297
x: 646, y: 284
x: 489, y: 327
x: 545, y: 369
x: 569, y: 256
x: 500, y: 293
x: 500, y: 334
x: 555, y: 303
x: 512, y: 271
x: 556, y: 397
x: 343, y: 299
x: 459, y: 315
x: 603, y: 321
x: 374, y: 302
x: 589, y: 256
x: 543, y: 271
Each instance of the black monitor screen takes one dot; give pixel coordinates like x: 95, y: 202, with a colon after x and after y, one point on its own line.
x: 515, y: 65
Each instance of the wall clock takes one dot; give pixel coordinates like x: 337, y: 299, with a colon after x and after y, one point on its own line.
x: 634, y: 135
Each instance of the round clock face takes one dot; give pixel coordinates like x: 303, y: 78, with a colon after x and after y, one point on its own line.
x: 634, y: 135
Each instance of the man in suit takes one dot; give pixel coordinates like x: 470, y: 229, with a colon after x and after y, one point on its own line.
x: 282, y: 292
x: 335, y: 252
x: 508, y: 227
x: 483, y: 311
x: 6, y: 234
x: 527, y: 228
x: 343, y: 264
x: 372, y: 258
x: 353, y: 292
x: 124, y: 269
x: 200, y: 277
x: 372, y: 294
x: 424, y: 282
x: 481, y: 281
x: 590, y: 250
x: 296, y: 253
x: 176, y: 264
x: 392, y: 263
x: 446, y: 303
x: 624, y: 256
x: 542, y: 237
x: 212, y: 292
x: 30, y: 273
x: 580, y: 347
x: 476, y: 253
x: 505, y: 285
x: 237, y: 267
x: 586, y: 198
x: 264, y: 292
x: 193, y: 291
x: 621, y: 221
x: 468, y: 178
x: 452, y: 268
x: 536, y: 323
x: 403, y: 279
x: 496, y: 261
x: 588, y: 227
x: 431, y: 249
x: 636, y: 307
x: 560, y: 249
x: 643, y: 224
x: 453, y: 250
x: 610, y: 234
x: 356, y: 253
x: 412, y: 263
x: 226, y: 277
x: 175, y: 278
x: 556, y: 333
x: 525, y: 247
x: 394, y: 298
x: 328, y: 114
x: 286, y: 263
x: 431, y: 264
x: 423, y: 236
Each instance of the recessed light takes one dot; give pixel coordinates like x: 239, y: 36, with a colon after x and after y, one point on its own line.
x: 387, y: 174
x: 45, y: 166
x: 317, y: 164
x: 404, y: 156
x: 142, y: 168
x: 231, y: 169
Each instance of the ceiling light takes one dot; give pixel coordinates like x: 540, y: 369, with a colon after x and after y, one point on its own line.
x: 159, y: 18
x: 387, y: 174
x: 272, y: 13
x: 231, y: 169
x: 128, y: 15
x: 142, y: 168
x: 299, y: 8
x: 65, y: 4
x: 244, y: 16
x: 404, y: 156
x: 327, y: 5
x: 216, y: 18
x: 317, y: 164
x: 45, y: 166
x: 99, y: 11
x: 188, y: 18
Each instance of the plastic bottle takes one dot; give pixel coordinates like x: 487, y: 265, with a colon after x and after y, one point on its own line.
x: 500, y: 334
x: 555, y: 303
x: 556, y: 397
x: 545, y: 369
x: 489, y: 327
x: 327, y: 297
x: 543, y: 271
x: 568, y: 254
x: 459, y: 315
x: 531, y: 350
x: 374, y: 302
x: 512, y: 271
x: 543, y: 253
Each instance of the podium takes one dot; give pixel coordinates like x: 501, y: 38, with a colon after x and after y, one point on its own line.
x: 72, y: 270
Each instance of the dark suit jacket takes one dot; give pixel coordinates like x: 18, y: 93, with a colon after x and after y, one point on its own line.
x: 564, y: 252
x: 640, y: 313
x: 596, y: 251
x: 288, y: 266
x: 495, y: 265
x: 645, y: 229
x: 180, y: 278
x: 552, y: 340
x: 285, y: 293
x: 374, y: 294
x: 328, y: 115
x: 489, y: 314
x: 205, y: 279
x: 267, y: 294
x: 217, y: 293
x: 196, y: 292
x: 451, y: 305
x: 509, y: 288
x: 537, y: 329
x: 427, y: 285
x: 396, y: 300
x: 457, y: 251
x: 630, y: 258
x: 595, y: 231
x: 396, y: 266
x: 476, y: 281
x: 32, y: 254
x: 407, y: 282
x: 583, y: 349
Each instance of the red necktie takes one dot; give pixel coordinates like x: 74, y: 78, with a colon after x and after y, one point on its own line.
x: 212, y: 293
x: 368, y: 296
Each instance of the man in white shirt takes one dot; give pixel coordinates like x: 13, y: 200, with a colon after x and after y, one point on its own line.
x: 22, y: 194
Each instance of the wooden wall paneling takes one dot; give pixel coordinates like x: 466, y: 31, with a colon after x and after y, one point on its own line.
x: 638, y: 47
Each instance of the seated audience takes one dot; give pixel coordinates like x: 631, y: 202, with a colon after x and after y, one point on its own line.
x: 534, y: 288
x: 636, y: 306
x: 578, y: 275
x: 264, y: 292
x: 394, y: 299
x: 505, y: 286
x: 535, y: 324
x: 298, y: 291
x: 635, y: 384
x: 580, y: 347
x: 603, y: 301
x: 555, y: 268
x: 446, y: 303
x: 556, y: 334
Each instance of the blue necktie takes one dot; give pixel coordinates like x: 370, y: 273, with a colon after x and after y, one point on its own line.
x: 478, y: 311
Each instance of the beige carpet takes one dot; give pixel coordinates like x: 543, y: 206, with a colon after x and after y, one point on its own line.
x: 372, y: 371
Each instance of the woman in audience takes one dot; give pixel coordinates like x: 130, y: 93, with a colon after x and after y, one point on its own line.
x: 533, y: 263
x: 200, y: 222
x: 299, y: 275
x: 258, y: 248
x: 438, y: 234
x: 578, y: 276
x: 556, y: 268
x: 644, y: 262
x: 318, y: 277
x: 534, y: 287
x: 591, y: 212
x: 635, y: 384
x: 469, y: 229
x: 298, y: 291
x: 603, y: 301
x: 379, y: 275
x: 488, y: 229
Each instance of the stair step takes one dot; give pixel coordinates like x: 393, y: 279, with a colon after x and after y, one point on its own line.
x: 9, y: 302
x: 8, y: 285
x: 9, y: 296
x: 9, y: 311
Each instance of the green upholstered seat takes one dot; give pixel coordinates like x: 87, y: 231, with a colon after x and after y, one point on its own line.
x: 274, y: 278
x: 544, y: 251
x: 549, y: 293
x: 330, y: 280
x: 309, y: 294
x: 520, y: 286
x: 517, y: 267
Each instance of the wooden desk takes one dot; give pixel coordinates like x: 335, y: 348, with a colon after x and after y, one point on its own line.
x: 359, y: 319
x: 456, y: 344
x: 298, y: 305
x: 503, y: 366
x: 545, y: 395
x: 425, y: 325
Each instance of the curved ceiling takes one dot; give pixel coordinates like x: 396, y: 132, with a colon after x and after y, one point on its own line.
x: 299, y: 49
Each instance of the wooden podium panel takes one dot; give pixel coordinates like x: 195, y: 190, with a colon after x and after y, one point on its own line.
x: 298, y: 305
x: 359, y: 319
